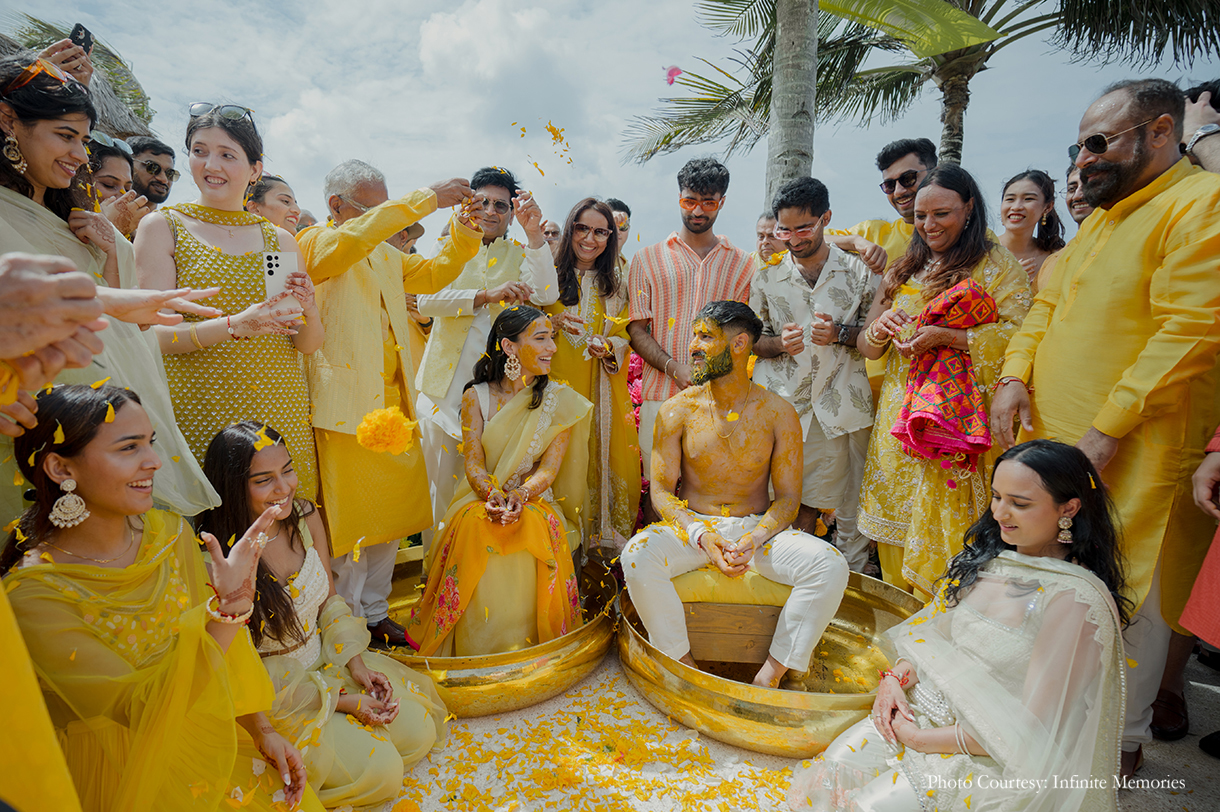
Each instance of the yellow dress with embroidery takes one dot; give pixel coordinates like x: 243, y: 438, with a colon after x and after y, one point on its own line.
x: 256, y: 379
x: 613, y: 503
x: 350, y: 765
x: 142, y: 697
x: 916, y: 505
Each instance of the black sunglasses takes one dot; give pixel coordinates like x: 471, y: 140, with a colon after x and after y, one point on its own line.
x: 153, y: 168
x: 907, y: 179
x: 1098, y: 144
x: 232, y: 112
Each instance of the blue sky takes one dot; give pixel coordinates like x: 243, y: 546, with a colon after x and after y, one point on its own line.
x: 428, y: 90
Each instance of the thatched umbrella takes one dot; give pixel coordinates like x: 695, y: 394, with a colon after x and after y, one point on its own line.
x: 121, y: 102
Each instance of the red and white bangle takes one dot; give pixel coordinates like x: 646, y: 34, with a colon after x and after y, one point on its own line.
x: 1010, y: 379
x: 902, y: 681
x: 232, y: 330
x: 694, y: 533
x: 224, y: 617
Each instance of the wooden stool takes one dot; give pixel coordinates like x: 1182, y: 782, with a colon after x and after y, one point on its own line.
x: 730, y: 620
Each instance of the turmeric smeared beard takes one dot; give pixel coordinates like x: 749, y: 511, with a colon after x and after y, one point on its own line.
x: 717, y: 366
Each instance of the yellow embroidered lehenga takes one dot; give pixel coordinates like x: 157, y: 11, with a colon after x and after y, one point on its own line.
x: 257, y: 379
x: 144, y: 700
x: 494, y: 587
x: 350, y: 765
x: 918, y: 508
x: 614, y: 444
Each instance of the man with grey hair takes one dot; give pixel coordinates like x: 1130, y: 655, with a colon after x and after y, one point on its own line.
x: 371, y: 499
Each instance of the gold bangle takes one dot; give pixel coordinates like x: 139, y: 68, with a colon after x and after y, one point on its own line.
x: 871, y: 337
x: 195, y: 336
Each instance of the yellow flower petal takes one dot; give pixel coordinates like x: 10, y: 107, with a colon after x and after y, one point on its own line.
x: 109, y: 412
x: 99, y: 384
x: 59, y: 432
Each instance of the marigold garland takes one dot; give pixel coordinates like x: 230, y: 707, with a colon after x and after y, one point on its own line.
x: 386, y: 430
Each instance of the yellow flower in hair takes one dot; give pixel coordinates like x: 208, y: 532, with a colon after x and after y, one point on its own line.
x: 386, y: 430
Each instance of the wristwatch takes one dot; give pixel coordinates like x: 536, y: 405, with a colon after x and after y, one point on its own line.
x: 1202, y: 132
x: 844, y: 334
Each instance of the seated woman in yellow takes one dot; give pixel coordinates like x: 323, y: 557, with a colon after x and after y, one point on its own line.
x: 591, y: 356
x: 501, y: 575
x: 149, y: 676
x: 315, y: 651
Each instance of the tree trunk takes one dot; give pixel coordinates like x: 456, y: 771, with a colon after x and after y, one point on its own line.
x: 955, y: 96
x: 790, y: 136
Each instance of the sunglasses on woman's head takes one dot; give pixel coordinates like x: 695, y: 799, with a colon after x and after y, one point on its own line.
x: 99, y: 137
x: 1099, y: 143
x: 231, y: 112
x: 153, y: 168
x: 907, y: 179
x: 37, y: 68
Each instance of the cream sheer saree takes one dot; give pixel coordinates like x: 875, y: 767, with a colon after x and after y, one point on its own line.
x: 131, y: 358
x: 1030, y: 663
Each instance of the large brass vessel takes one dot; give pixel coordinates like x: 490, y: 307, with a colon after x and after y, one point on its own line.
x: 813, y: 707
x: 495, y: 683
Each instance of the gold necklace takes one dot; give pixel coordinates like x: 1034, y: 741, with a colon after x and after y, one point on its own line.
x: 712, y: 412
x: 130, y: 530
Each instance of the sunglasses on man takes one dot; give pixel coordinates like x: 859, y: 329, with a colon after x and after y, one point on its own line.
x: 907, y: 180
x: 153, y: 168
x: 690, y: 204
x: 1099, y: 143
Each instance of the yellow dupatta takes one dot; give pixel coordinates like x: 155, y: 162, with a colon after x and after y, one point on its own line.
x: 513, y: 442
x: 142, y: 697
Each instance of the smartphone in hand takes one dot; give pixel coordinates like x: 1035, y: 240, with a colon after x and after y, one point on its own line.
x: 81, y: 36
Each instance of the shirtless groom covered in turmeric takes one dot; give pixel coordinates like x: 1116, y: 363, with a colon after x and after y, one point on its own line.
x: 728, y: 439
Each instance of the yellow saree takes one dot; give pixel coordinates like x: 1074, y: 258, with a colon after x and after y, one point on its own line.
x: 608, y: 519
x: 523, y: 571
x: 917, y: 507
x: 143, y: 699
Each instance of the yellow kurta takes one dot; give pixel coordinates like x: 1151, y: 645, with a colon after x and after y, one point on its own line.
x: 368, y: 496
x: 1123, y: 339
x: 916, y: 504
x: 520, y: 575
x: 613, y: 499
x: 144, y: 700
x: 894, y: 237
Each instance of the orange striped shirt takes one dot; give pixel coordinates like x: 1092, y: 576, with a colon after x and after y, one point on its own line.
x: 670, y: 284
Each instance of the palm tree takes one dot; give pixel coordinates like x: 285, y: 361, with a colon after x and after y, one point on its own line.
x: 727, y: 107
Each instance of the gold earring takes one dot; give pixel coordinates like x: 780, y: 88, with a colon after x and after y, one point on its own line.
x: 512, y: 368
x: 12, y: 151
x: 1045, y: 215
x: 69, y: 510
x: 1065, y: 530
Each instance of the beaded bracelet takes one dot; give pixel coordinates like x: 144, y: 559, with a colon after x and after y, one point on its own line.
x: 229, y: 324
x: 224, y: 617
x: 1010, y: 379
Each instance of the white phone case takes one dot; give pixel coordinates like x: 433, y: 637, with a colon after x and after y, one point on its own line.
x: 275, y: 273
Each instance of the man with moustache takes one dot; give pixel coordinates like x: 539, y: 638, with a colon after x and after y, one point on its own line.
x: 152, y: 173
x: 730, y: 440
x: 812, y: 305
x: 766, y: 242
x: 1119, y: 354
x: 671, y: 280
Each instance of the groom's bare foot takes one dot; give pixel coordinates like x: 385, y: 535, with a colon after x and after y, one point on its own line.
x: 770, y: 674
x: 686, y: 659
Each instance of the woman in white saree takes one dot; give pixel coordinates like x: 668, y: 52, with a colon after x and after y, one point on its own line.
x: 1007, y: 690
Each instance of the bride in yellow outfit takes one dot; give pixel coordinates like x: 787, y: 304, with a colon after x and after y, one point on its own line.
x: 149, y: 675
x: 358, y: 717
x: 500, y: 574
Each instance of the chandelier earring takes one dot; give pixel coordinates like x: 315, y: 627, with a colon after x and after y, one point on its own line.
x: 1045, y: 217
x: 12, y: 152
x: 512, y: 367
x: 69, y: 510
x: 1065, y: 530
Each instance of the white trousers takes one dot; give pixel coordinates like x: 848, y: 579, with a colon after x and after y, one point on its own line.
x: 444, y: 465
x: 816, y: 571
x: 848, y: 538
x: 1146, y: 642
x: 366, y: 584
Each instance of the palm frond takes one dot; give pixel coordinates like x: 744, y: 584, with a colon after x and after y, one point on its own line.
x: 743, y: 19
x: 1141, y: 31
x: 878, y: 94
